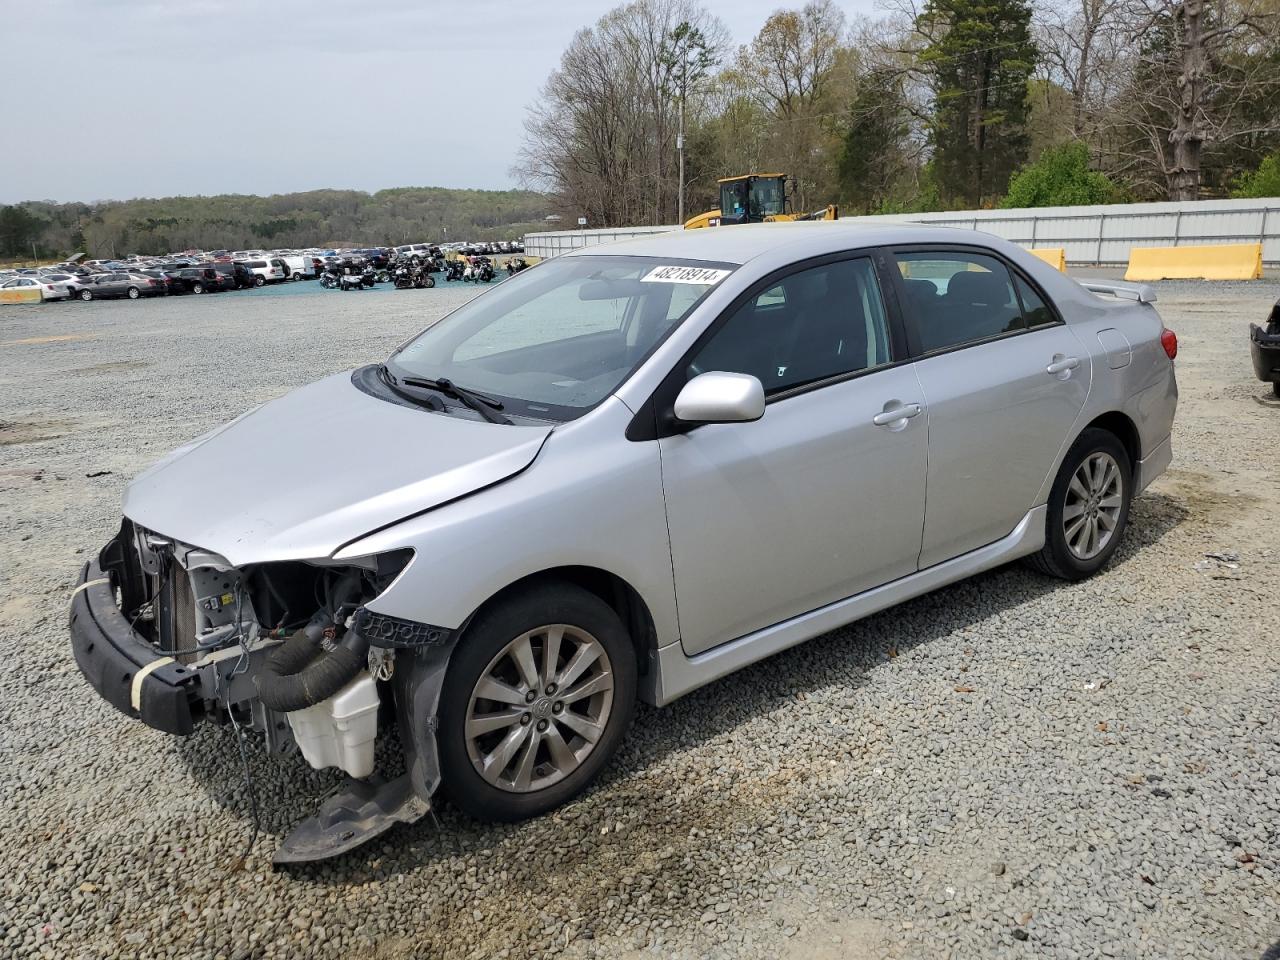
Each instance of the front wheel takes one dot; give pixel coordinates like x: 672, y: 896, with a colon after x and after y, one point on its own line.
x: 1088, y: 507
x: 197, y: 288
x: 133, y: 293
x: 86, y: 295
x: 539, y: 694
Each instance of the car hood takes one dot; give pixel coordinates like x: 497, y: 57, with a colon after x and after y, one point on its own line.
x: 301, y: 476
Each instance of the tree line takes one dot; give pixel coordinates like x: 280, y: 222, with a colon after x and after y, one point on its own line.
x: 234, y: 222
x: 938, y: 104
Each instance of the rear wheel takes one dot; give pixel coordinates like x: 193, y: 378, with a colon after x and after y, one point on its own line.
x: 197, y: 288
x: 539, y: 694
x: 1088, y: 507
x: 86, y: 295
x: 259, y: 281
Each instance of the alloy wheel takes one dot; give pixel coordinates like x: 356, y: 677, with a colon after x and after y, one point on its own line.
x: 1095, y: 497
x: 539, y: 708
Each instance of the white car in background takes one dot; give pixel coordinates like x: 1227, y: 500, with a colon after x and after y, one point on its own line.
x: 267, y: 270
x: 414, y: 252
x: 69, y: 284
x: 300, y: 267
x: 29, y: 290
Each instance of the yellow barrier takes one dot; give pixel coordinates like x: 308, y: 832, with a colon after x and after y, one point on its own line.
x: 1055, y: 257
x: 1227, y: 261
x: 20, y: 295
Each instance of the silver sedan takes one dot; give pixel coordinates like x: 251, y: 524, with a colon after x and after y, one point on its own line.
x: 620, y: 475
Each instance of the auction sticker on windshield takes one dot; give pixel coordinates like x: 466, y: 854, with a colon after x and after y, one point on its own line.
x: 677, y: 274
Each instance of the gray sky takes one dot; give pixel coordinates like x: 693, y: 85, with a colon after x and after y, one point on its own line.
x: 152, y: 98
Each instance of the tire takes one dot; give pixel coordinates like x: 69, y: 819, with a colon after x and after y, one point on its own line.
x: 197, y: 288
x: 86, y: 295
x: 259, y: 281
x: 429, y: 282
x: 1067, y: 552
x: 584, y: 619
x: 133, y: 293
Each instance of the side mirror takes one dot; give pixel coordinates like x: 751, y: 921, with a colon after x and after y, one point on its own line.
x: 719, y: 397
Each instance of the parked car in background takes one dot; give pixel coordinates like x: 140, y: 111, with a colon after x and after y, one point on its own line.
x: 238, y: 274
x: 114, y: 285
x: 268, y: 270
x: 206, y: 279
x: 415, y: 253
x: 1264, y: 349
x: 171, y: 285
x: 29, y: 290
x: 67, y: 283
x: 299, y: 267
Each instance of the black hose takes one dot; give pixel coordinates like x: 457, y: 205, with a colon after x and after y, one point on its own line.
x: 300, y: 672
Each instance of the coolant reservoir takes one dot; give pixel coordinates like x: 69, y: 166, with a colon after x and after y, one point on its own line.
x: 341, y: 731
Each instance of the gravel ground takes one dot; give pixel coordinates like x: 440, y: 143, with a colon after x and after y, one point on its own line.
x: 1011, y: 767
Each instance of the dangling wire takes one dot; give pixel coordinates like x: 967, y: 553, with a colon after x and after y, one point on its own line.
x: 242, y: 664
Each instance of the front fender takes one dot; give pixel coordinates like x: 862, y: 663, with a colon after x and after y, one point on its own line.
x: 592, y: 498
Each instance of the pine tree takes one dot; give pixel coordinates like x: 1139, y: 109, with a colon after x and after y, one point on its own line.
x: 871, y: 158
x: 980, y: 56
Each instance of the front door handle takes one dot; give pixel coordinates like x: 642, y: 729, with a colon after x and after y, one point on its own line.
x: 894, y: 412
x: 1062, y: 364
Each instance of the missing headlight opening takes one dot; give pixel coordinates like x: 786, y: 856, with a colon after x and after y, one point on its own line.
x: 175, y: 634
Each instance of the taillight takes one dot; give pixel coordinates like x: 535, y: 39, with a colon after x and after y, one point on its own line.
x: 1169, y: 340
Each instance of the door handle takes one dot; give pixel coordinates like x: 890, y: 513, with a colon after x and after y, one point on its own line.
x: 893, y: 414
x: 1062, y: 364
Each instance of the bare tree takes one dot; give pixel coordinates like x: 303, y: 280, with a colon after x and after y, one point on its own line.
x: 1196, y: 66
x: 791, y: 62
x: 1082, y: 48
x: 600, y: 139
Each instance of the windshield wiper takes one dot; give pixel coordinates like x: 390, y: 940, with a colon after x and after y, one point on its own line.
x: 487, y: 407
x: 428, y: 402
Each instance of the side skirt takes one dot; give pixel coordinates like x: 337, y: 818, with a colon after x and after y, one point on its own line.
x: 677, y: 674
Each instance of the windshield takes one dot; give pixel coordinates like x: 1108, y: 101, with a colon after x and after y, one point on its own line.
x: 553, y: 341
x: 767, y: 198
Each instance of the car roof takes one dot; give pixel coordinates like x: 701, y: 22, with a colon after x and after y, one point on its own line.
x: 740, y: 243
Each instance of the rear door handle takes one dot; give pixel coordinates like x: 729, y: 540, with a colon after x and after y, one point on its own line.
x: 894, y: 412
x: 1062, y: 364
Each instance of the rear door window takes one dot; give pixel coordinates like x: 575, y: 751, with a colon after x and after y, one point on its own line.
x: 956, y: 298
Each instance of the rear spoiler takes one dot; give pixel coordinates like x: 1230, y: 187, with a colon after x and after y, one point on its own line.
x: 1141, y: 292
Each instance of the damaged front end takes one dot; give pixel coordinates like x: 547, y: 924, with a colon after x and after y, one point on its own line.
x: 174, y: 635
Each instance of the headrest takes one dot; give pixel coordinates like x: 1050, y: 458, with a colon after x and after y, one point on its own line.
x: 978, y: 287
x: 920, y: 289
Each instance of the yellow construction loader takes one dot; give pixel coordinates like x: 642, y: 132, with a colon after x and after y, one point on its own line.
x: 755, y: 198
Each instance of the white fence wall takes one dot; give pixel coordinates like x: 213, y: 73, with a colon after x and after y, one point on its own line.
x: 1099, y: 235
x: 559, y: 241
